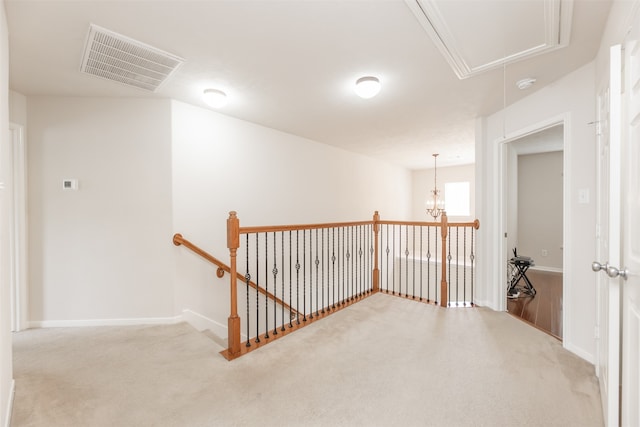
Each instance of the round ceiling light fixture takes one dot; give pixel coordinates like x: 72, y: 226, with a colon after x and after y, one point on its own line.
x: 215, y: 98
x: 367, y: 87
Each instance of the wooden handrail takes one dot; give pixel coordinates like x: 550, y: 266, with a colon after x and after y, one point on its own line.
x: 475, y: 224
x: 222, y: 268
x: 277, y: 228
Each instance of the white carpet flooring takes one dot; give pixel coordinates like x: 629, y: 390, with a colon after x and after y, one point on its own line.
x: 385, y: 361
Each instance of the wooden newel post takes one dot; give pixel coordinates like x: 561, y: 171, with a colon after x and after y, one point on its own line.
x: 376, y: 270
x: 444, y: 228
x: 233, y: 243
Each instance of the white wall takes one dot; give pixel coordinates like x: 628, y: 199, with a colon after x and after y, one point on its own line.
x: 6, y: 371
x: 548, y: 140
x: 269, y: 177
x: 17, y: 108
x: 540, y: 208
x: 571, y: 99
x: 422, y: 183
x: 104, y: 251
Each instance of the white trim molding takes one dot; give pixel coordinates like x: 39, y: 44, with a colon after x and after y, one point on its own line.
x: 194, y: 319
x: 12, y: 393
x: 202, y: 323
x: 105, y: 322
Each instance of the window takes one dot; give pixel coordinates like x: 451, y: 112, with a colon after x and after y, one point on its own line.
x: 456, y: 198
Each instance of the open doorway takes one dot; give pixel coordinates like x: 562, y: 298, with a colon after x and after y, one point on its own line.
x: 535, y: 228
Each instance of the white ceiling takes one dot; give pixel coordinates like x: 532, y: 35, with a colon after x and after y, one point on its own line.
x: 291, y: 65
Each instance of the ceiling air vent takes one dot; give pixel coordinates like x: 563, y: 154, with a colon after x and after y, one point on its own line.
x: 120, y: 59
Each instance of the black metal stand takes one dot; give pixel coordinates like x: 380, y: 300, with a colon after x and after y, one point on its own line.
x: 521, y: 265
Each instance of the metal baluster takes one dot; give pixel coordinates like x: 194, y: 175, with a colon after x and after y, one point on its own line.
x: 472, y: 258
x: 372, y: 253
x: 361, y: 281
x: 413, y: 235
x: 421, y: 263
x: 352, y: 257
x: 457, y: 266
x: 342, y: 266
x: 304, y: 275
x: 275, y: 286
x: 311, y: 274
x: 316, y: 262
x: 349, y: 276
x: 322, y: 269
x: 282, y: 282
x: 464, y: 266
x: 257, y: 289
x: 266, y: 285
x: 297, y: 277
x: 247, y: 278
x: 362, y: 261
x: 290, y: 281
x: 354, y: 264
x: 428, y: 263
x: 435, y: 296
x: 387, y: 250
x: 400, y: 260
x: 406, y: 261
x: 354, y: 260
x: 393, y: 261
x: 333, y: 264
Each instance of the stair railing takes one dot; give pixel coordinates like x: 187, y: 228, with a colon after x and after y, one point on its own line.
x: 178, y: 240
x: 416, y: 257
x: 318, y: 269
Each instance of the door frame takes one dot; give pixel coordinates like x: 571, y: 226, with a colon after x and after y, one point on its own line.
x: 503, y: 185
x: 18, y: 229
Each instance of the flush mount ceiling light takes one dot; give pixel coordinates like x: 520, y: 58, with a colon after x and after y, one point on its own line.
x: 367, y: 87
x: 525, y: 83
x: 215, y: 98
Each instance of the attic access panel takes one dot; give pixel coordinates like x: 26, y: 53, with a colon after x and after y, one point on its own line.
x: 476, y: 36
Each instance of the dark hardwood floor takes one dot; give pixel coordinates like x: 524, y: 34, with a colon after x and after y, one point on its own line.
x: 544, y: 310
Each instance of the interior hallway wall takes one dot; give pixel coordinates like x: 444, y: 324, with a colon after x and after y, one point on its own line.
x: 222, y: 164
x: 571, y: 98
x: 540, y: 208
x: 6, y: 370
x: 101, y: 254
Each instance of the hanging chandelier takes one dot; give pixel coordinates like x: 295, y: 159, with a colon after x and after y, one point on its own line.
x: 435, y: 205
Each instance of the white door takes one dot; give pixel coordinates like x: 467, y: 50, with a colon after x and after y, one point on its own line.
x: 608, y: 241
x: 630, y: 262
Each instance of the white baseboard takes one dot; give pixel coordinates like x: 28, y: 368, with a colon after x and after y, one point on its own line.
x: 12, y: 392
x: 549, y: 269
x: 202, y: 323
x: 580, y: 352
x: 196, y: 320
x: 105, y: 322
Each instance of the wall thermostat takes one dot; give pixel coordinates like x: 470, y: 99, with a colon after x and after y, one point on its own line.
x: 69, y: 184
